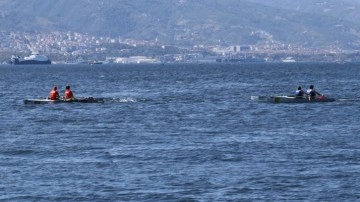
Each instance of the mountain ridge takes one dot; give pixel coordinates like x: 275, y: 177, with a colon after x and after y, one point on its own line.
x: 302, y: 23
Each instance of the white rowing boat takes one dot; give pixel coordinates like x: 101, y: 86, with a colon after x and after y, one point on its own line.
x: 81, y: 100
x: 291, y: 99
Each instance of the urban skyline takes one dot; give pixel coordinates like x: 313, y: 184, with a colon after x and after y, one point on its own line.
x: 76, y: 47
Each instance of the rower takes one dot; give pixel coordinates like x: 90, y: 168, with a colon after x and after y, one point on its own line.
x: 68, y: 93
x: 54, y: 94
x: 312, y: 92
x: 299, y: 93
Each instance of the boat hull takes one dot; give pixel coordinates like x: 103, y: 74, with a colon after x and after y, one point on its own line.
x: 77, y: 100
x: 32, y: 62
x: 291, y: 99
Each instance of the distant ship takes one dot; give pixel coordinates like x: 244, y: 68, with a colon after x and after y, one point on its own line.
x: 95, y: 63
x: 33, y: 59
x: 288, y: 59
x: 241, y: 60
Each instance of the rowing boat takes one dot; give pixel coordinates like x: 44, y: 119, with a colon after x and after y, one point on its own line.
x: 291, y: 99
x: 81, y: 100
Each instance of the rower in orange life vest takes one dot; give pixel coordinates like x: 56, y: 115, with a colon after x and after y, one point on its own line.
x: 68, y: 93
x: 54, y: 94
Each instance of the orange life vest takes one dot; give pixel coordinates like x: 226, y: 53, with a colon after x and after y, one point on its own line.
x: 68, y: 94
x: 54, y: 95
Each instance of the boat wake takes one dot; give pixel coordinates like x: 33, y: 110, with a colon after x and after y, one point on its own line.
x: 122, y: 100
x: 349, y: 99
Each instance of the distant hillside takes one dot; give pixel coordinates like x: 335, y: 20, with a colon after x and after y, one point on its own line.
x: 306, y: 23
x: 347, y: 10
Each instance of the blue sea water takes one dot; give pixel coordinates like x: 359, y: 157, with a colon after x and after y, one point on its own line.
x: 180, y: 132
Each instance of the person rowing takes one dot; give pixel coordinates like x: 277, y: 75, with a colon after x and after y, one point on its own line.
x: 68, y: 95
x: 54, y: 94
x: 299, y: 93
x: 312, y: 93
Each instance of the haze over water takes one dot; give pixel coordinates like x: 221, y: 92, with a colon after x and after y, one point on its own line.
x: 180, y: 133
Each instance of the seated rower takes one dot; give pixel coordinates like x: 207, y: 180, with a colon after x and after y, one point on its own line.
x: 299, y: 92
x: 54, y: 94
x: 68, y: 95
x: 312, y: 92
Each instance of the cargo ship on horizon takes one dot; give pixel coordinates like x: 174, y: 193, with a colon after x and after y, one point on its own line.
x: 33, y: 59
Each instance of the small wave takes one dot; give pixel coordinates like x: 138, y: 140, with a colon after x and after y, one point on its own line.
x: 349, y: 99
x: 125, y: 100
x: 18, y: 152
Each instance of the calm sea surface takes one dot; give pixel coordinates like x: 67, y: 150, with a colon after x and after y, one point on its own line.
x: 180, y: 133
